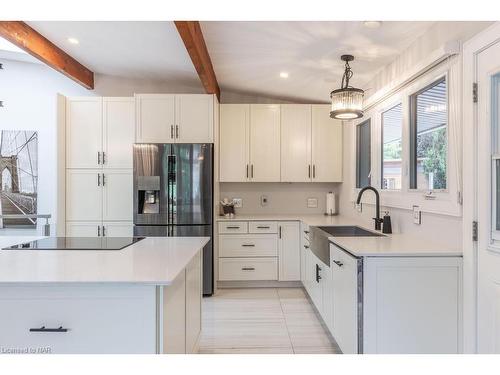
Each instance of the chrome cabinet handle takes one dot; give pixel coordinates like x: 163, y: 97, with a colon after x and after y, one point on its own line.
x: 318, y: 276
x: 234, y: 227
x: 314, y: 171
x: 309, y: 173
x: 44, y: 329
x: 248, y: 268
x: 248, y: 245
x: 338, y: 263
x: 98, y: 179
x: 103, y: 231
x: 103, y: 180
x: 247, y: 170
x: 280, y: 231
x: 251, y: 168
x: 176, y: 131
x: 103, y: 157
x: 171, y: 131
x: 263, y: 227
x: 98, y: 231
x: 98, y: 157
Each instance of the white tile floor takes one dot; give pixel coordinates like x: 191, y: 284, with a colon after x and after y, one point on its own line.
x: 265, y: 320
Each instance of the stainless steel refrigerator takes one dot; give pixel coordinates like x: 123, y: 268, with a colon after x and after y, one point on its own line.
x: 173, y: 195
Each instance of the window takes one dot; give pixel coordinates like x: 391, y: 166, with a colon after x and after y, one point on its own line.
x: 363, y: 158
x: 392, y: 132
x: 428, y: 137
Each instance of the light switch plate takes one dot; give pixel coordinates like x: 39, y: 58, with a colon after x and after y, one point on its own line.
x: 417, y: 215
x: 238, y: 202
x: 312, y: 202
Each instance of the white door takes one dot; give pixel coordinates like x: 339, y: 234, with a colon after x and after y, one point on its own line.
x: 83, y: 229
x: 118, y: 132
x: 488, y: 203
x: 326, y: 145
x: 296, y: 143
x: 83, y: 132
x: 83, y: 195
x: 265, y: 143
x: 289, y: 251
x: 194, y: 118
x: 117, y: 195
x: 234, y: 142
x: 155, y: 118
x: 118, y: 229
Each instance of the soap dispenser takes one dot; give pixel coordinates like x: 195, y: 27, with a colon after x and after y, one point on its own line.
x: 386, y: 224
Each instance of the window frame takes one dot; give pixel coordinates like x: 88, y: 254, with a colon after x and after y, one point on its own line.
x: 382, y: 111
x: 412, y: 141
x: 357, y: 162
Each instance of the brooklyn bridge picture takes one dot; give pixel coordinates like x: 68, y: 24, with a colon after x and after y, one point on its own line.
x: 18, y: 177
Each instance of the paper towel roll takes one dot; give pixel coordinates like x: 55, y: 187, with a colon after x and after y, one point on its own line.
x: 331, y: 204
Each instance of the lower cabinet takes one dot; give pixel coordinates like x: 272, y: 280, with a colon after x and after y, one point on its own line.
x: 248, y: 269
x: 99, y: 229
x: 289, y: 250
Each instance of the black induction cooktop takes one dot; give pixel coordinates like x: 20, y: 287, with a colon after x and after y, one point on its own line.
x: 77, y: 243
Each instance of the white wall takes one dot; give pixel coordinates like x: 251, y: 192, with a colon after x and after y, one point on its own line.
x: 284, y: 198
x: 29, y: 92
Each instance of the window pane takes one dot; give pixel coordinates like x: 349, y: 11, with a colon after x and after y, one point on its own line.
x: 429, y: 144
x: 363, y: 158
x: 392, y: 130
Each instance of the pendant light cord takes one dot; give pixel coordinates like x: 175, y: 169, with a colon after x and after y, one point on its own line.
x: 347, y: 75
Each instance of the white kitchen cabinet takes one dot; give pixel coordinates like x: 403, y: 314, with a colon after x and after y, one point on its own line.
x: 248, y: 269
x: 234, y: 142
x: 155, y: 118
x: 315, y: 290
x: 412, y: 305
x: 326, y: 145
x: 194, y: 115
x: 248, y: 245
x: 118, y: 132
x: 265, y: 143
x: 289, y: 250
x: 169, y: 118
x: 174, y: 321
x: 344, y: 300
x: 83, y: 132
x: 296, y: 163
x: 117, y: 190
x: 83, y: 228
x: 304, y: 248
x: 193, y: 303
x: 83, y: 195
x: 118, y: 229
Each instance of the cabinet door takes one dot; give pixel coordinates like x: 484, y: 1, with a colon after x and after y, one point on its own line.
x: 315, y: 291
x: 265, y: 143
x: 118, y: 229
x: 193, y: 303
x: 155, y: 118
x: 117, y: 195
x: 327, y: 293
x: 83, y: 132
x: 345, y: 300
x: 296, y: 143
x: 83, y: 229
x: 234, y: 142
x: 326, y: 145
x: 289, y: 250
x: 118, y: 132
x: 83, y: 195
x: 194, y: 118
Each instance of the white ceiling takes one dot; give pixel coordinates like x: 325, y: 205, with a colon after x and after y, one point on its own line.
x: 138, y: 50
x: 248, y: 56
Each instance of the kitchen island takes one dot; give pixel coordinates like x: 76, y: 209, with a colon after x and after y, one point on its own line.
x: 145, y: 298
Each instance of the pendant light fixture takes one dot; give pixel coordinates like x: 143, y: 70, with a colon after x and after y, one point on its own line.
x: 347, y: 102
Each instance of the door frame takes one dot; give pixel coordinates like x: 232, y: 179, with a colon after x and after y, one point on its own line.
x: 472, y: 48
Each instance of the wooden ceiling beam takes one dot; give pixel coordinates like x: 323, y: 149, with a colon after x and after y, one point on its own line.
x: 190, y: 32
x: 28, y: 39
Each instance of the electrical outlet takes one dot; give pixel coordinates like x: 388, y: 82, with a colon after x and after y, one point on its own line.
x: 417, y: 215
x: 263, y: 200
x: 312, y: 202
x: 238, y: 202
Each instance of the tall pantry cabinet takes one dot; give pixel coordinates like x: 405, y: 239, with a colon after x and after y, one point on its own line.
x: 100, y: 133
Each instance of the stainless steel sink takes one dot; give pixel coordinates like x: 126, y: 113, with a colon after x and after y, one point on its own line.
x: 349, y: 231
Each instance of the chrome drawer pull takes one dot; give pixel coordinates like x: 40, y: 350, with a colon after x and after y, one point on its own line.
x: 338, y: 263
x: 232, y: 227
x: 43, y: 329
x: 248, y: 269
x: 263, y: 227
x: 248, y: 245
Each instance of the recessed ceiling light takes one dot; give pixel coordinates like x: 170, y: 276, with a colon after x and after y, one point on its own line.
x: 372, y: 24
x: 73, y: 41
x: 283, y: 74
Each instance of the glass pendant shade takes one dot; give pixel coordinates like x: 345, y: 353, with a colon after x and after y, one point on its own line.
x: 347, y: 102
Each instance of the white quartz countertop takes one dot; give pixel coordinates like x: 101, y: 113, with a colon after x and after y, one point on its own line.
x: 397, y: 244
x: 153, y: 261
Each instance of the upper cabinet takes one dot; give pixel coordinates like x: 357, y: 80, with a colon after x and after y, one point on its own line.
x: 272, y: 143
x: 265, y: 143
x: 99, y: 132
x: 164, y: 118
x: 326, y: 145
x: 234, y: 142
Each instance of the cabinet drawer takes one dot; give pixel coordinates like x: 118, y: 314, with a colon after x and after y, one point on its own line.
x: 233, y: 227
x: 83, y: 319
x: 263, y: 227
x: 249, y: 245
x: 248, y: 269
